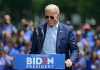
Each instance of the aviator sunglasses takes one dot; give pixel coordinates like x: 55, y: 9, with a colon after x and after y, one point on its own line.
x: 51, y: 17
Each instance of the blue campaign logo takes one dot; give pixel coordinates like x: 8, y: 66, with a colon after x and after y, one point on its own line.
x: 39, y: 61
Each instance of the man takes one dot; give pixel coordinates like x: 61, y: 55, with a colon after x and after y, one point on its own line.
x: 8, y: 26
x: 54, y: 37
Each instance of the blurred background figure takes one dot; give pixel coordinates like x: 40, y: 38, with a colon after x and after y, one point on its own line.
x: 69, y: 23
x: 8, y: 25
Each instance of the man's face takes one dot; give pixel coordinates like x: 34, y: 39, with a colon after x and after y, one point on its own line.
x: 7, y: 19
x: 51, y: 17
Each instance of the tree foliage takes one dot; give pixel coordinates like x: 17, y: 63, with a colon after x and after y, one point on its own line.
x: 86, y: 8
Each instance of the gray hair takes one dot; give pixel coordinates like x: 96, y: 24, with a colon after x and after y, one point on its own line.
x: 53, y: 6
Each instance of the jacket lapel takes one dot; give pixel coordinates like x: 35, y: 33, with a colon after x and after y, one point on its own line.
x: 44, y: 33
x: 59, y: 35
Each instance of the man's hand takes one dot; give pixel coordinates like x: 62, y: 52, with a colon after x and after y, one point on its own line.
x: 68, y: 63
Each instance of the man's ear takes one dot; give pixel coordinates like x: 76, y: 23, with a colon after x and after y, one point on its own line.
x: 58, y: 16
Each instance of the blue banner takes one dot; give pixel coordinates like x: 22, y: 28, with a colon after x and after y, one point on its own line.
x: 39, y: 61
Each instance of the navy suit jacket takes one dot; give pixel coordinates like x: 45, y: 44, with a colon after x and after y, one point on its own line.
x: 65, y: 43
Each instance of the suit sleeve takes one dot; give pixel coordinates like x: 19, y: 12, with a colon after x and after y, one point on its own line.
x: 74, y: 51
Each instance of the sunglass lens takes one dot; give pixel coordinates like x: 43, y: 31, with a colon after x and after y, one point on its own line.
x: 51, y: 17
